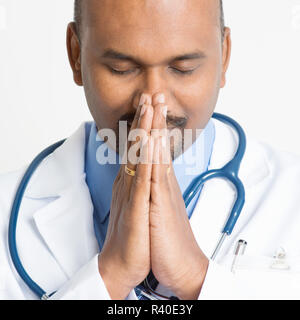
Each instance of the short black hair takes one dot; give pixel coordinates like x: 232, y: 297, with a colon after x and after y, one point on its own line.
x: 78, y: 16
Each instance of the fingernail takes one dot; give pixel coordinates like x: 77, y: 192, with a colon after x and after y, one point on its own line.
x: 164, y: 111
x: 161, y: 98
x: 143, y: 110
x: 142, y: 100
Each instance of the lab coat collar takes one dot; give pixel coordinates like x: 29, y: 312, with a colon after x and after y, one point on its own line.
x: 61, y: 169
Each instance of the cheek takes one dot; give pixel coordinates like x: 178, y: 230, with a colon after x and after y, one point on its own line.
x: 107, y: 98
x: 198, y: 96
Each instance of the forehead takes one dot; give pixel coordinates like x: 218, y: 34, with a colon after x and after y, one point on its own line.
x: 151, y: 24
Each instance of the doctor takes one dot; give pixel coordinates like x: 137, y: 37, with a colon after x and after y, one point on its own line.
x: 156, y: 64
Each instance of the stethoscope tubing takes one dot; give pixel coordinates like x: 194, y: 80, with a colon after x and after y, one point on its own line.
x: 12, y: 228
x: 228, y: 172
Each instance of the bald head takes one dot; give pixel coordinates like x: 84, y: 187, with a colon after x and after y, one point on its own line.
x: 79, y: 24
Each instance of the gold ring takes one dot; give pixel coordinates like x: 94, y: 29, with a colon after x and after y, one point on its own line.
x: 130, y: 172
x: 168, y: 170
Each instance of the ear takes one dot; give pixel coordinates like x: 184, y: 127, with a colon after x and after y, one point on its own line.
x: 73, y: 47
x: 226, y: 55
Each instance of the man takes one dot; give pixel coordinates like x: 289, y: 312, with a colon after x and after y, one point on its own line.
x: 95, y: 230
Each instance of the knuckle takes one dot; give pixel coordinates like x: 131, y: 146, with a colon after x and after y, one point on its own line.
x: 139, y: 180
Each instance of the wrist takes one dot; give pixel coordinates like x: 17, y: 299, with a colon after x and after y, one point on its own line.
x: 114, y: 282
x: 191, y: 285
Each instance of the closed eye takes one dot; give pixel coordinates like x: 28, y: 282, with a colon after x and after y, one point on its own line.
x: 121, y: 72
x: 126, y: 72
x: 183, y: 72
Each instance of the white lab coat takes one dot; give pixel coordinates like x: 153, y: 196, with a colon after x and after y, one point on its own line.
x: 56, y: 242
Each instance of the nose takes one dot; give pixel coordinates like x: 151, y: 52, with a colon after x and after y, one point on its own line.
x: 153, y: 81
x: 153, y: 86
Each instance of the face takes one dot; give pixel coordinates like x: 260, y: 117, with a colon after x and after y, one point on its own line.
x: 147, y: 46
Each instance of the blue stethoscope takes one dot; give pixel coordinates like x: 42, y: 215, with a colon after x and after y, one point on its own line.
x: 228, y: 172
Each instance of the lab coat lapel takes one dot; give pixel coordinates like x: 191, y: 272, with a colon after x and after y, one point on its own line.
x: 66, y: 223
x: 217, y: 196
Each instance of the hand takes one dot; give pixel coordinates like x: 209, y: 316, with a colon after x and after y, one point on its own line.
x: 177, y: 261
x: 125, y: 258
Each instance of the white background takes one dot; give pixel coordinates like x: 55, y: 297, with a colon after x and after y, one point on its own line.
x: 40, y: 104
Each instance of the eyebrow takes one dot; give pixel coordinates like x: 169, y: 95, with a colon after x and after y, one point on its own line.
x: 113, y: 54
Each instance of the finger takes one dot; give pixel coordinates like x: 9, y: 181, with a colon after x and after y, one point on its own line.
x: 145, y: 98
x: 141, y: 184
x: 137, y: 150
x: 161, y: 154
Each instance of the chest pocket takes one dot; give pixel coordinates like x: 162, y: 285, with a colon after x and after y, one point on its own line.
x: 266, y: 277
